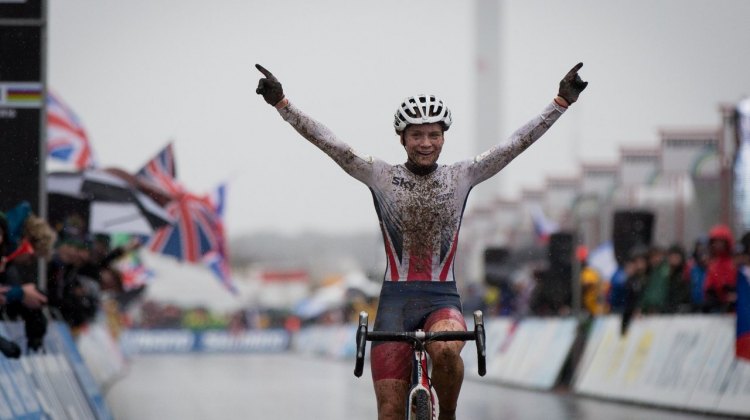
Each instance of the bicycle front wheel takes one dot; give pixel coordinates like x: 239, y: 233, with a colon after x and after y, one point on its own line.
x: 420, y: 407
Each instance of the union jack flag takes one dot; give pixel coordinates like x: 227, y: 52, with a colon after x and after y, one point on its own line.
x: 219, y: 261
x: 194, y: 233
x: 197, y: 235
x: 67, y: 141
x: 161, y: 172
x: 219, y: 265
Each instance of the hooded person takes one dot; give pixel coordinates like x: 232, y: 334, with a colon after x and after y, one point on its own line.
x: 721, y: 273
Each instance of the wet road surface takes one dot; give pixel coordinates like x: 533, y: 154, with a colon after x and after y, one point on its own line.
x: 289, y: 386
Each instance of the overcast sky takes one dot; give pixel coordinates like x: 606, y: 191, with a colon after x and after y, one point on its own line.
x: 140, y: 73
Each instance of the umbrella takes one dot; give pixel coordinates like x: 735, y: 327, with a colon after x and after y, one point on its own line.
x: 324, y: 299
x: 109, y: 203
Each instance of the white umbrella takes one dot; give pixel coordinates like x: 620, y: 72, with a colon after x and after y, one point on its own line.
x: 322, y: 300
x: 111, y: 204
x: 187, y: 285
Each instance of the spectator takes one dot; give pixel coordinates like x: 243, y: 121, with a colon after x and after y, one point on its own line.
x: 98, y: 256
x: 20, y: 294
x: 698, y: 267
x: 678, y: 297
x: 617, y: 290
x: 591, y: 285
x: 636, y: 269
x: 74, y: 297
x: 656, y: 289
x: 721, y: 273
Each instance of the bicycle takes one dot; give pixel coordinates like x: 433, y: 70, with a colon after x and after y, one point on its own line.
x: 421, y: 402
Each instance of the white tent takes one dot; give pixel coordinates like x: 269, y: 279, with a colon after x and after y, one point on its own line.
x: 188, y: 285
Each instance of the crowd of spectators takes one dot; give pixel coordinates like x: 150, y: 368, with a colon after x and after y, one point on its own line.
x: 655, y: 281
x: 80, y: 275
x: 652, y: 280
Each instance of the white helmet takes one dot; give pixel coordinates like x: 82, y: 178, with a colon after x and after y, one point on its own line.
x: 422, y: 109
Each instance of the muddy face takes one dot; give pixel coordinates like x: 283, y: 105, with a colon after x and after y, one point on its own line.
x: 423, y: 143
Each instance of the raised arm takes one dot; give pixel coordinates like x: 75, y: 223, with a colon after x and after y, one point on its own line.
x: 354, y: 164
x: 493, y: 160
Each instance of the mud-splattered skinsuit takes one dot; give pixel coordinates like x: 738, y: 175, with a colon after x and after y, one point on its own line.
x: 420, y: 216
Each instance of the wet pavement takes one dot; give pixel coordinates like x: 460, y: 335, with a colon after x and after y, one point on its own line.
x: 289, y: 386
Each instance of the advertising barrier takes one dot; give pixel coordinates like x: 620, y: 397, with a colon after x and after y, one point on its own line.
x: 186, y: 341
x: 101, y: 354
x: 328, y: 341
x: 54, y: 383
x: 684, y: 362
x: 528, y: 353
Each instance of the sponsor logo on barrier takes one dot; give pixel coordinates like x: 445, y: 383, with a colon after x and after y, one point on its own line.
x: 246, y: 342
x: 159, y: 341
x: 179, y: 341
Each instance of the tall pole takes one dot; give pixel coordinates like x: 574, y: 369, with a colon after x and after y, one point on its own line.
x: 488, y: 78
x: 23, y: 40
x: 728, y: 147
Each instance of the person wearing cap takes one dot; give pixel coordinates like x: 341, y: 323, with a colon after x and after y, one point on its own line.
x: 419, y: 205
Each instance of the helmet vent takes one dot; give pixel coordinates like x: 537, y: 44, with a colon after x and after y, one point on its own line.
x: 422, y: 109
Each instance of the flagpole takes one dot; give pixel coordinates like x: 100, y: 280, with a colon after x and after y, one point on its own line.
x: 42, y: 209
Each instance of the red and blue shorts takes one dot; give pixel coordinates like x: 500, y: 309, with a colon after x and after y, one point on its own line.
x: 409, y: 306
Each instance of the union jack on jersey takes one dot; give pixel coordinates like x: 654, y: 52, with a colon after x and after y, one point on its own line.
x: 67, y: 142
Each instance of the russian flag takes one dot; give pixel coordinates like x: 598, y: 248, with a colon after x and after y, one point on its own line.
x: 742, y: 348
x: 543, y: 226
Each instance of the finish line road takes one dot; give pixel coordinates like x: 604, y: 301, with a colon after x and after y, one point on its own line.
x: 289, y: 386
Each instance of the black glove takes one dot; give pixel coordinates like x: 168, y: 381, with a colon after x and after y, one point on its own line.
x: 9, y: 349
x: 571, y: 85
x: 269, y: 87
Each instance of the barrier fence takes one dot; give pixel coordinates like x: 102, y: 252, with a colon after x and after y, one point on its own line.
x: 187, y: 341
x: 685, y: 362
x: 53, y: 384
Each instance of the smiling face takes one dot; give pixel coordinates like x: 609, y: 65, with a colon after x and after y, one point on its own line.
x: 423, y: 143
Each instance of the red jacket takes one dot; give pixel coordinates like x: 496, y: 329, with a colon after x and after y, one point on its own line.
x: 721, y: 272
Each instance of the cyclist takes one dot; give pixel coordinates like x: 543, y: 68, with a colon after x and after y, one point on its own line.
x: 419, y: 205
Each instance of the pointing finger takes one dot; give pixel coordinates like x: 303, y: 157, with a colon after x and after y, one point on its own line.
x: 575, y: 69
x: 265, y: 72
